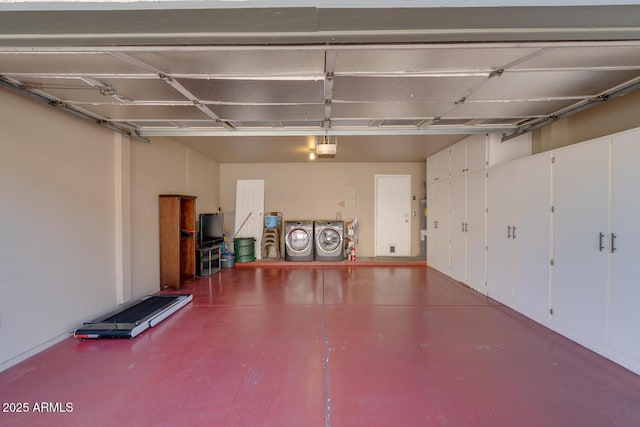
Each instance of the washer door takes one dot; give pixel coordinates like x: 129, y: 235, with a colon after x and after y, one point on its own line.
x: 298, y: 239
x: 329, y: 240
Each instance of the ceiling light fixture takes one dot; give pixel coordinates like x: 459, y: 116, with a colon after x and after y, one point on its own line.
x: 326, y: 146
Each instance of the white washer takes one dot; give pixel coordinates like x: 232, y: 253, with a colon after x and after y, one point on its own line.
x: 298, y: 240
x: 329, y: 240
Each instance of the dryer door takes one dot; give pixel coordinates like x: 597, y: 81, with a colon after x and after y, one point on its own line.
x: 329, y: 240
x: 298, y: 240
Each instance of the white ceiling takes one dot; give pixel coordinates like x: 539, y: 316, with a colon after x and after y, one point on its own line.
x: 255, y: 85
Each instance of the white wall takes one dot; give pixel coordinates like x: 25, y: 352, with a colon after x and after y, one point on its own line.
x: 57, y: 225
x: 316, y: 190
x: 79, y: 220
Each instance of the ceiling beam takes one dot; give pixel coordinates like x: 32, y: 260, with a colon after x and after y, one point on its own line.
x: 444, y: 130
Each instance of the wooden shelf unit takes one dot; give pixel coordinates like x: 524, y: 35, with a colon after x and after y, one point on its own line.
x: 177, y: 240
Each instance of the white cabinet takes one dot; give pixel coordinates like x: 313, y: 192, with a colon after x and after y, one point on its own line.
x: 475, y: 229
x: 596, y: 272
x: 442, y: 164
x: 438, y: 226
x: 476, y: 153
x: 468, y: 228
x: 550, y: 235
x: 518, y: 234
x: 432, y: 169
x: 438, y: 166
x: 467, y: 210
x: 469, y: 155
x: 532, y: 234
x: 458, y: 223
x: 432, y: 208
x: 459, y: 158
x: 499, y: 233
x: 625, y: 225
x: 580, y: 229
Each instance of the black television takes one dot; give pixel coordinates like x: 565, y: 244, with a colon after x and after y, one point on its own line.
x: 211, y: 229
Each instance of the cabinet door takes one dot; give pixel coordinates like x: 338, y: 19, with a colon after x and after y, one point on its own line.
x: 458, y: 234
x: 441, y: 259
x: 476, y: 153
x: 459, y: 158
x: 475, y: 229
x: 442, y: 159
x: 432, y: 169
x: 499, y: 232
x: 532, y: 215
x: 581, y: 191
x: 432, y: 235
x: 625, y: 268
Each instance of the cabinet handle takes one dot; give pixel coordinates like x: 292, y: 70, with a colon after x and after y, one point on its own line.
x: 613, y: 242
x: 508, y: 232
x: 514, y: 232
x: 601, y: 245
x: 463, y: 227
x: 466, y: 227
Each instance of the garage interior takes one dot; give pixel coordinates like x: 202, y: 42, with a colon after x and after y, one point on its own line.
x: 106, y: 105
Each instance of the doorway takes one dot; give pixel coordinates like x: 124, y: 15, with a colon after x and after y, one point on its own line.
x: 392, y: 215
x: 249, y: 211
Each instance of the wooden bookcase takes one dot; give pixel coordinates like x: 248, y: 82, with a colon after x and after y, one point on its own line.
x: 177, y: 240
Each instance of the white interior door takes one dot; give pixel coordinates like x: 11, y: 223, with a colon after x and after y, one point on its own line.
x: 499, y: 233
x: 393, y: 215
x: 475, y: 229
x: 532, y: 215
x: 250, y: 204
x: 625, y: 268
x: 581, y: 191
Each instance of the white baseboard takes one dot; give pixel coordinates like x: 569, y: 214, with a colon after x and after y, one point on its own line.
x: 6, y: 364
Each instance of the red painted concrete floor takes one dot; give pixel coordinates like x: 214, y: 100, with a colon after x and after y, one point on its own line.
x: 326, y: 346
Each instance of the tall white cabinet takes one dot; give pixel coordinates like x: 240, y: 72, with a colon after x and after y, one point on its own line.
x: 438, y: 220
x: 499, y: 233
x: 518, y: 233
x: 455, y: 244
x: 597, y: 273
x: 468, y: 164
x: 581, y: 186
x: 532, y: 234
x: 551, y: 235
x: 625, y: 226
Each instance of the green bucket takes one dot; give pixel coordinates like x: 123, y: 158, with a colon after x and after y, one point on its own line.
x: 244, y: 248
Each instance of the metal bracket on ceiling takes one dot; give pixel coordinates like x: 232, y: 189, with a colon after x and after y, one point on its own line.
x: 329, y: 70
x: 496, y: 73
x: 429, y: 122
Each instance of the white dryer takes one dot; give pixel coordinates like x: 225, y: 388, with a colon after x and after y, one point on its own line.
x: 298, y: 240
x: 329, y: 240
